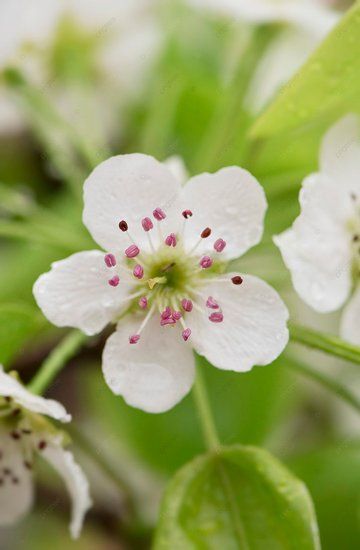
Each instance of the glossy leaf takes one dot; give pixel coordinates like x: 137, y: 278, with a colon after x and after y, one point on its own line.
x: 240, y: 498
x: 329, y: 79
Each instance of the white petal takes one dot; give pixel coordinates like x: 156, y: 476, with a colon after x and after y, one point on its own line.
x: 232, y: 203
x: 340, y: 153
x: 127, y: 187
x: 253, y: 331
x: 317, y: 250
x: 16, y: 498
x: 152, y: 375
x: 10, y: 387
x: 177, y: 167
x: 76, y: 293
x: 75, y: 481
x: 350, y: 320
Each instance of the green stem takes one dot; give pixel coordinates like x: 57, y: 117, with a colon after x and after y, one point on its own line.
x: 325, y: 342
x: 57, y: 359
x: 204, y: 412
x: 327, y: 382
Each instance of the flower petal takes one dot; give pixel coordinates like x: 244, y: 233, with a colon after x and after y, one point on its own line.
x: 177, y: 167
x: 16, y: 489
x: 152, y: 375
x: 350, y: 327
x: 232, y: 203
x: 75, y: 481
x: 340, y: 153
x: 126, y: 187
x: 10, y: 387
x: 253, y: 331
x: 76, y: 292
x: 317, y: 249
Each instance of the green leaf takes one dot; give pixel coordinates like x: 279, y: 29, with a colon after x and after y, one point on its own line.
x: 18, y: 324
x: 241, y: 498
x: 328, y: 81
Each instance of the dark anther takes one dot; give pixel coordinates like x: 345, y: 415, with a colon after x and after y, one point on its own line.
x: 123, y: 225
x: 237, y: 280
x: 7, y: 471
x: 7, y: 398
x: 26, y: 431
x: 16, y: 412
x: 15, y: 480
x: 355, y: 238
x: 15, y: 435
x: 206, y: 233
x: 41, y: 445
x: 27, y: 464
x: 353, y: 196
x: 187, y: 214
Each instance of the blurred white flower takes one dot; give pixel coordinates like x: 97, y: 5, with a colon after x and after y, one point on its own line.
x: 322, y: 249
x: 126, y: 37
x: 162, y: 278
x: 308, y: 22
x: 25, y: 433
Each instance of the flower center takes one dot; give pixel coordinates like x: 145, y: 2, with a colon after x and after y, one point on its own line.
x: 16, y: 424
x: 355, y: 233
x: 168, y: 280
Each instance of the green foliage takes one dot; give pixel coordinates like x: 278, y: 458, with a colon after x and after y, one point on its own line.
x: 18, y: 323
x: 329, y: 81
x: 333, y: 478
x: 240, y: 498
x: 247, y: 407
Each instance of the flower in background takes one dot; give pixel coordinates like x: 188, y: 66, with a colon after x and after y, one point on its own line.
x: 162, y: 277
x: 322, y: 248
x: 308, y: 22
x: 25, y: 433
x: 115, y: 41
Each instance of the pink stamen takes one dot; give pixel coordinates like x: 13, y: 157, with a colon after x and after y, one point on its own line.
x: 159, y: 214
x: 138, y: 271
x: 211, y: 303
x: 143, y: 302
x: 216, y: 317
x: 147, y: 224
x: 206, y: 262
x: 166, y: 314
x: 219, y: 245
x: 171, y: 240
x: 176, y: 315
x: 110, y: 260
x: 134, y: 338
x: 186, y: 334
x: 169, y: 321
x: 114, y: 281
x: 187, y: 214
x: 187, y: 305
x: 132, y: 251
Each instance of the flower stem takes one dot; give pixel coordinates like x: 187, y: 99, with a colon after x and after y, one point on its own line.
x: 339, y: 390
x: 57, y: 359
x: 325, y: 342
x: 204, y: 412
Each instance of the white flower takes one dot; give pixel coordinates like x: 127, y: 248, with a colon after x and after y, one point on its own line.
x: 322, y: 249
x: 24, y: 433
x: 309, y: 21
x: 161, y: 279
x: 125, y: 36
